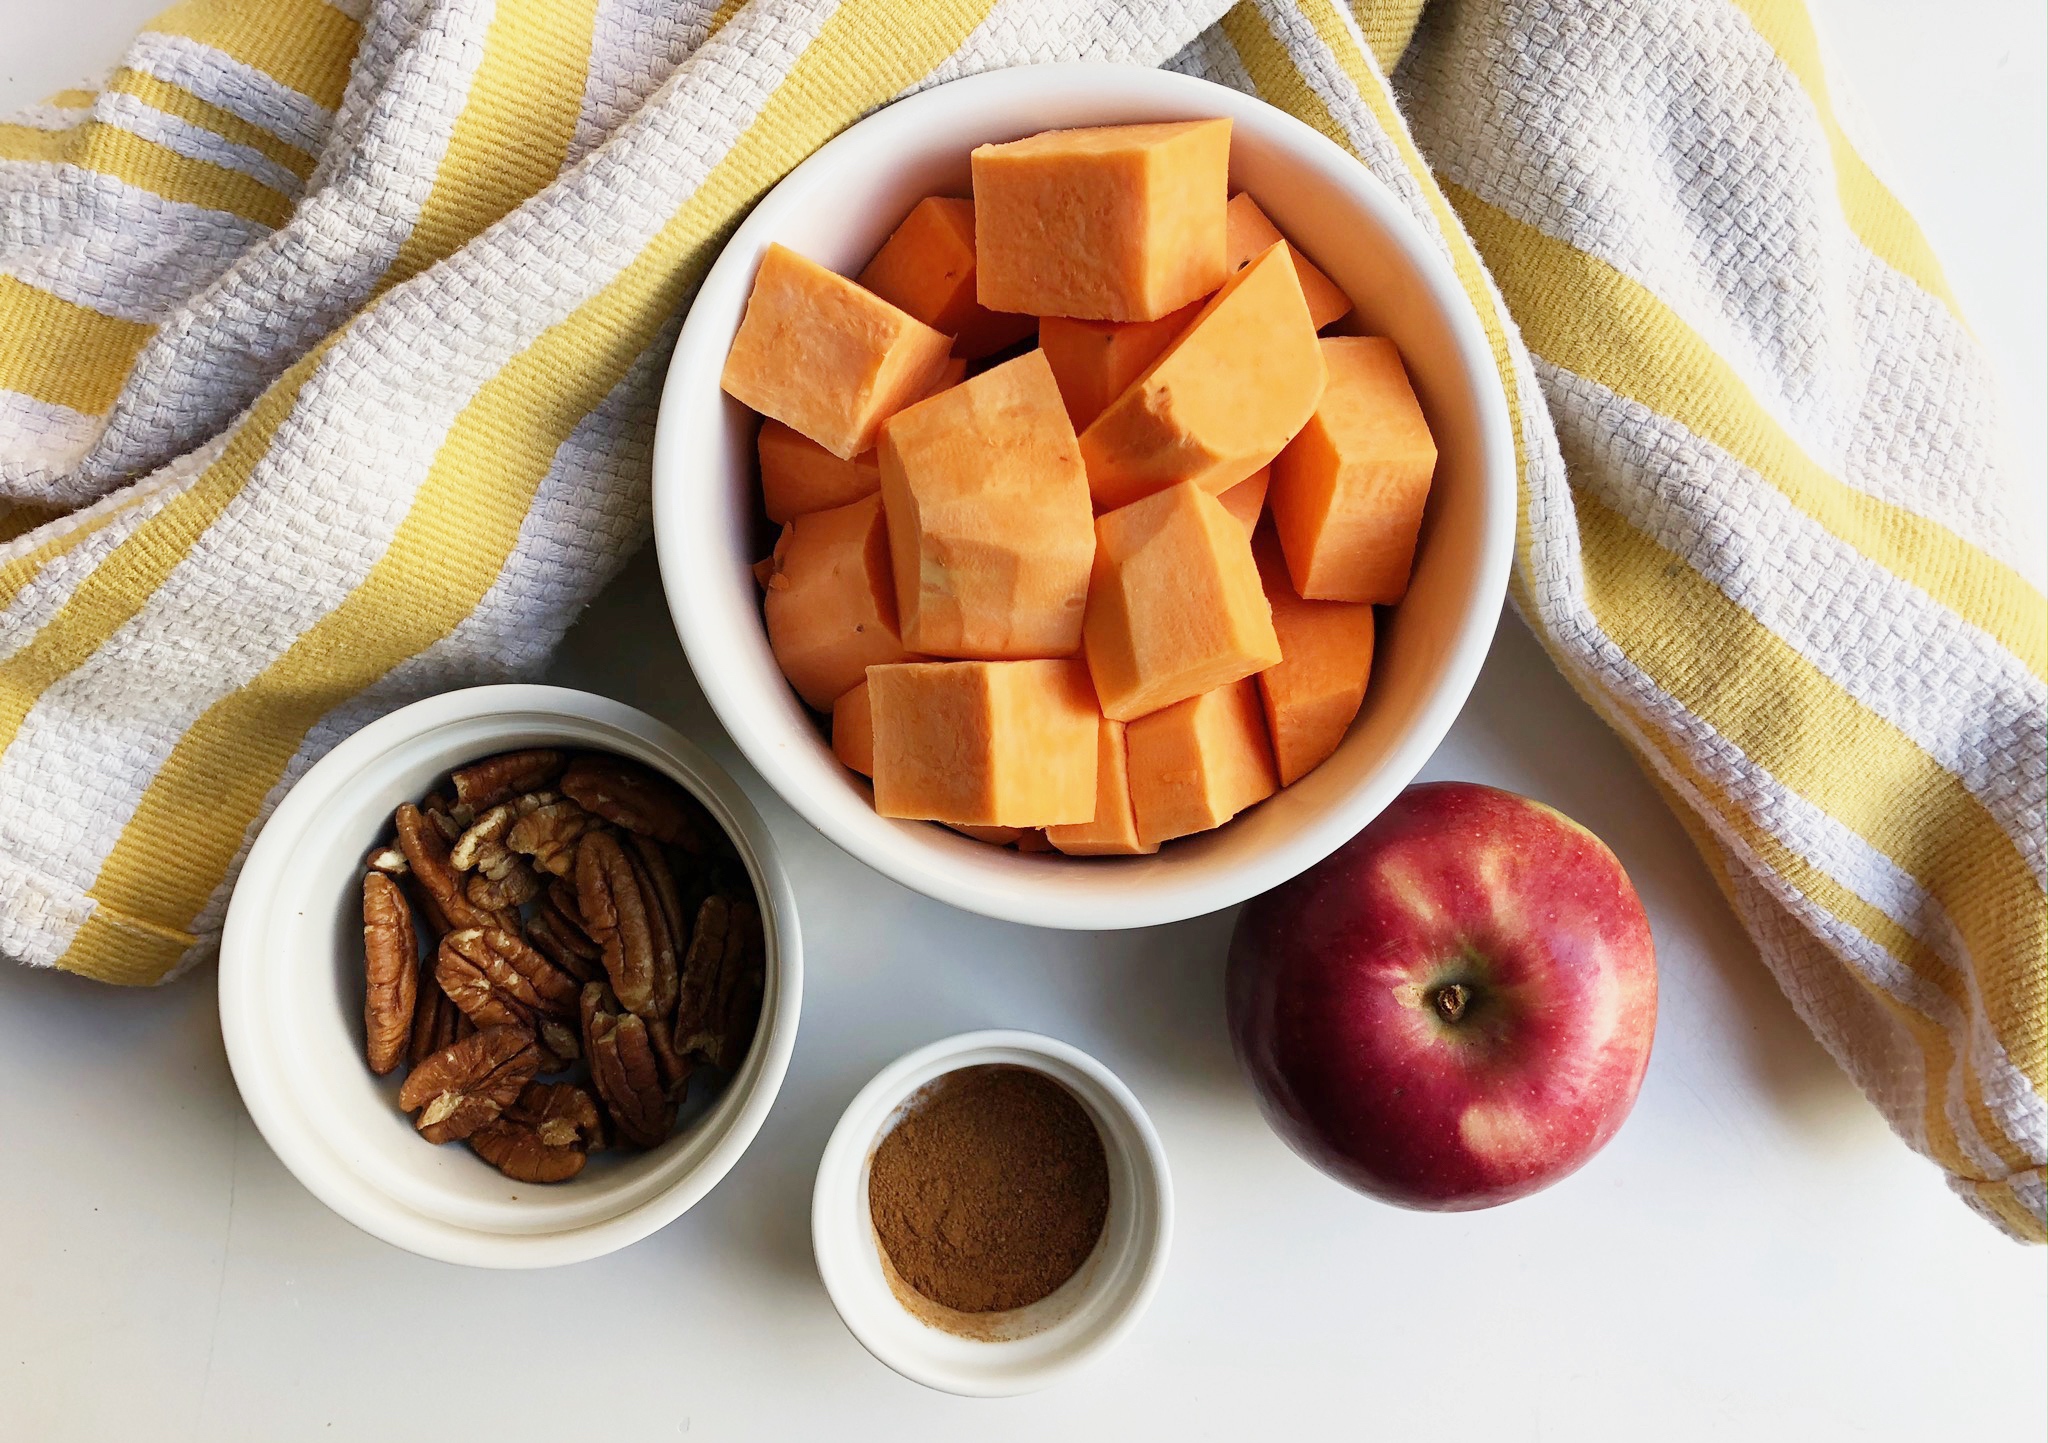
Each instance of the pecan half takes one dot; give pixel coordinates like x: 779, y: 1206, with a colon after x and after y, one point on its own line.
x: 721, y: 994
x: 624, y: 1070
x: 615, y: 907
x: 544, y: 1136
x: 433, y: 1020
x: 558, y: 1044
x: 562, y: 893
x: 550, y: 834
x: 500, y: 981
x: 468, y: 1083
x: 653, y: 860
x: 563, y: 943
x: 635, y: 797
x: 426, y: 851
x: 508, y: 893
x: 391, y: 971
x: 661, y: 930
x: 504, y: 879
x: 488, y: 782
x: 388, y: 859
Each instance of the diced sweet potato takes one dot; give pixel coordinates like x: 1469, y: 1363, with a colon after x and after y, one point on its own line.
x: 1249, y: 233
x: 853, y: 730
x: 989, y: 522
x: 1114, y: 829
x: 984, y: 743
x: 926, y: 269
x: 994, y: 836
x: 1174, y: 605
x: 830, y: 604
x: 1315, y: 690
x: 1247, y: 499
x: 1115, y: 223
x: 798, y: 476
x: 951, y: 374
x: 1348, y: 492
x: 1199, y: 763
x: 1221, y: 401
x: 827, y: 357
x: 1095, y: 360
x: 1034, y: 839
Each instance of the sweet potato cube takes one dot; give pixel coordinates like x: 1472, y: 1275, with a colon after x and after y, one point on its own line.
x: 1247, y: 499
x: 951, y: 374
x: 984, y: 743
x: 1249, y: 233
x: 1348, y: 492
x: 830, y: 603
x: 1199, y: 763
x: 853, y: 731
x: 1094, y: 361
x: 798, y: 476
x: 1315, y: 690
x: 827, y: 357
x: 1174, y: 606
x: 1115, y: 223
x: 926, y: 269
x: 989, y: 522
x: 994, y: 836
x: 1034, y: 839
x: 1114, y: 830
x: 1221, y: 401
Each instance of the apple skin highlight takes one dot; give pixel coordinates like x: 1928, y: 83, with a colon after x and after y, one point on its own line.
x: 1454, y: 1009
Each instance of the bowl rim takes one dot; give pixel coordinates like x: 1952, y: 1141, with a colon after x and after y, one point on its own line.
x: 258, y: 1070
x: 844, y: 1159
x: 1028, y: 894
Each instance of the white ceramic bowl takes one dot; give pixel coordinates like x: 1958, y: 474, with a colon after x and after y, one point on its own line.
x: 291, y: 996
x: 837, y: 207
x: 1029, y: 1347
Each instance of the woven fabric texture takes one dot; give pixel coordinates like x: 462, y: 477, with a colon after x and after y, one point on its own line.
x: 330, y: 336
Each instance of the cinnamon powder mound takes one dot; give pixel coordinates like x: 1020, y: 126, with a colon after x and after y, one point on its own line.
x: 991, y: 1191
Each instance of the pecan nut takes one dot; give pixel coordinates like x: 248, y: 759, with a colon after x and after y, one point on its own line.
x: 550, y: 834
x: 468, y: 1083
x: 724, y: 977
x: 484, y: 784
x: 544, y: 1136
x: 495, y: 977
x: 564, y: 943
x: 391, y: 972
x: 615, y: 907
x: 637, y: 798
x: 426, y: 853
x: 625, y: 1071
x: 433, y: 1021
x: 388, y: 859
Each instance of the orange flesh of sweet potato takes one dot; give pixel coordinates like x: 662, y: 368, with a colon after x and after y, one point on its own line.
x: 1199, y: 763
x: 1348, y: 492
x: 1248, y: 232
x: 1115, y: 223
x: 1095, y: 360
x: 926, y: 269
x: 830, y: 604
x: 853, y: 730
x: 1312, y: 694
x: 994, y: 836
x: 1174, y: 605
x: 798, y: 476
x: 984, y: 743
x: 827, y: 357
x: 1114, y: 830
x: 1221, y: 401
x: 990, y: 528
x: 1247, y: 499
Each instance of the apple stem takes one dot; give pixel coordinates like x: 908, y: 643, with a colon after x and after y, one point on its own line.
x: 1450, y: 1000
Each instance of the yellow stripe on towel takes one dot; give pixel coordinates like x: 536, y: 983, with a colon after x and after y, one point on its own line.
x: 451, y: 546
x: 148, y: 165
x: 303, y: 45
x: 61, y: 353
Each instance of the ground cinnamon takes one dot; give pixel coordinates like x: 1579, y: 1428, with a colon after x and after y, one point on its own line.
x: 992, y: 1189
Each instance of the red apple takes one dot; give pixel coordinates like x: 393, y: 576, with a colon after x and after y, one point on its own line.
x: 1454, y: 1009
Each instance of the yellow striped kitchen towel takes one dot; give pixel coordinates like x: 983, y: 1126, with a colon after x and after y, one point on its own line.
x: 329, y: 338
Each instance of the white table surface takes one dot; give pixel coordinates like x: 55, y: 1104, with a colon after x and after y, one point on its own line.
x: 1753, y: 1256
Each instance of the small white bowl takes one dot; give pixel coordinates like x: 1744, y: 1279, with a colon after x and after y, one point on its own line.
x: 837, y: 207
x: 1027, y: 1348
x: 291, y: 996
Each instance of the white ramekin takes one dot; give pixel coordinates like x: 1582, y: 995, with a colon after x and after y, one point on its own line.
x: 291, y: 996
x: 837, y: 207
x: 1052, y: 1337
